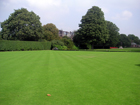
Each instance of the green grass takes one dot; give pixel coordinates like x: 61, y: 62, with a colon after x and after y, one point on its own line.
x: 114, y: 50
x: 71, y: 77
x: 120, y: 50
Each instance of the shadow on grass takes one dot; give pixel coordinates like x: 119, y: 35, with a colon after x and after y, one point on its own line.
x: 137, y: 65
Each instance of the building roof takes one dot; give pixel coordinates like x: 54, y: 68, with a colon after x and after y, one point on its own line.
x: 133, y: 43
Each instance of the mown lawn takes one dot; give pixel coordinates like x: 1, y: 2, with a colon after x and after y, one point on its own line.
x: 71, y: 77
x: 115, y: 50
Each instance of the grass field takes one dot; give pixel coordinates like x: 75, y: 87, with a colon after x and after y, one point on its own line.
x: 71, y: 77
x: 114, y: 50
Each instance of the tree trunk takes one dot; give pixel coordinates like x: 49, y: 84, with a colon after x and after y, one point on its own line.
x: 93, y: 45
x: 103, y: 46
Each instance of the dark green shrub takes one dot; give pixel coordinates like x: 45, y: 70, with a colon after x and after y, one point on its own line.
x: 68, y: 42
x: 64, y: 47
x: 75, y: 48
x: 61, y: 47
x: 42, y: 40
x: 57, y: 43
x: 6, y: 45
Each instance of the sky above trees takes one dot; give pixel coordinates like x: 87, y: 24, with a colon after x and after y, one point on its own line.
x: 66, y: 14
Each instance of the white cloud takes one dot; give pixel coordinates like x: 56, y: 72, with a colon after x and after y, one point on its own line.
x: 82, y: 5
x: 125, y: 15
x: 44, y: 4
x: 105, y: 10
x: 49, y: 9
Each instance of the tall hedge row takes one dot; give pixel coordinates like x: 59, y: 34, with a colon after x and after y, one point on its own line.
x: 6, y: 45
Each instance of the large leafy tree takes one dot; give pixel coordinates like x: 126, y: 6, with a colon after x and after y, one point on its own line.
x: 113, y: 32
x: 93, y: 27
x: 124, y: 41
x: 0, y: 36
x: 78, y: 41
x: 22, y: 25
x: 134, y: 38
x: 50, y: 32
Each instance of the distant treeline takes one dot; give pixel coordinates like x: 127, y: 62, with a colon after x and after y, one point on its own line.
x: 24, y: 27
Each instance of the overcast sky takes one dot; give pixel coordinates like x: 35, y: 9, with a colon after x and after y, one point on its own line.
x: 66, y: 14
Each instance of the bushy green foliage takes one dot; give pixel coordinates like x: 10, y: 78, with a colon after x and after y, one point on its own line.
x: 57, y: 43
x: 68, y: 42
x: 6, y: 45
x: 0, y: 36
x: 50, y: 32
x: 134, y: 38
x: 61, y: 47
x: 75, y: 48
x: 42, y: 40
x: 93, y: 27
x: 64, y: 47
x: 124, y: 41
x: 22, y: 25
x: 89, y: 46
x: 113, y: 32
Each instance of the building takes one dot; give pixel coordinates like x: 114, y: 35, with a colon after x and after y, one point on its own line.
x: 66, y: 33
x: 134, y: 45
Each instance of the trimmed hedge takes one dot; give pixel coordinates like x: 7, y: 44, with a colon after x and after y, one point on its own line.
x: 8, y: 45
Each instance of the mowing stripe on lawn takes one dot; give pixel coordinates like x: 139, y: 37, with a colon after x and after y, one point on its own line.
x: 71, y: 77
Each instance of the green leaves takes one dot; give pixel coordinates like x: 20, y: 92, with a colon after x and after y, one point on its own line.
x: 67, y: 42
x: 22, y: 25
x: 134, y: 38
x: 113, y: 31
x: 50, y: 32
x: 6, y: 45
x: 57, y: 43
x: 93, y: 27
x: 124, y: 41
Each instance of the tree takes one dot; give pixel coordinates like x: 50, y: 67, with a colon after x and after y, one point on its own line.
x: 22, y: 25
x: 137, y: 40
x: 113, y: 32
x: 67, y: 42
x: 134, y: 38
x: 131, y: 37
x: 124, y: 41
x: 93, y: 27
x: 77, y: 39
x: 50, y: 32
x: 0, y: 36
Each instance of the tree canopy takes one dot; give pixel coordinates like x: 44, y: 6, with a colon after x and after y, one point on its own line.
x: 50, y: 32
x: 134, y: 38
x: 124, y: 41
x: 0, y: 36
x: 113, y: 32
x: 94, y: 30
x: 22, y: 25
x: 93, y: 27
